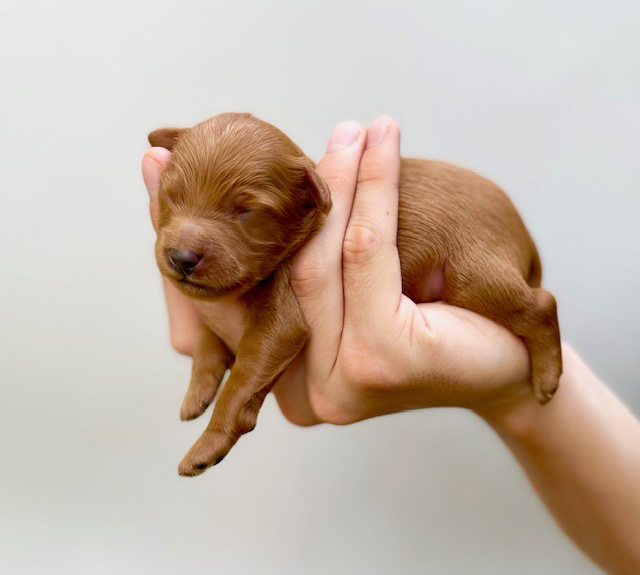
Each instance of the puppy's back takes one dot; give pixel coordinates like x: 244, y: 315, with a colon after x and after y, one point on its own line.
x: 450, y: 216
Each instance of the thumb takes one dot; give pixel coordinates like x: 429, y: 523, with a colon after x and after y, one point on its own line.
x: 153, y: 164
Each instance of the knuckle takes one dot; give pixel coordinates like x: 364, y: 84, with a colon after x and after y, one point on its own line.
x: 366, y: 368
x: 309, y: 273
x: 330, y: 411
x: 184, y: 339
x: 181, y: 344
x: 373, y: 170
x: 296, y: 417
x: 336, y: 177
x: 361, y: 242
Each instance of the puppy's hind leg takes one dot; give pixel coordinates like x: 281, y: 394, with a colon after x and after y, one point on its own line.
x: 541, y: 334
x: 503, y: 295
x: 211, y: 360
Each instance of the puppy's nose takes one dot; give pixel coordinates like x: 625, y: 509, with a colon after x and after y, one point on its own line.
x: 183, y: 262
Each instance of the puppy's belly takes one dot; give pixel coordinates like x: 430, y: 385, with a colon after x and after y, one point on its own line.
x: 225, y: 318
x: 430, y: 288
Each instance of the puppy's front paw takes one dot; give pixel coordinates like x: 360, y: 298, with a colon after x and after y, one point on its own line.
x: 202, y: 390
x: 209, y: 450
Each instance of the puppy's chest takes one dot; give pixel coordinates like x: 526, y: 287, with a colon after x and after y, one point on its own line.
x: 225, y: 318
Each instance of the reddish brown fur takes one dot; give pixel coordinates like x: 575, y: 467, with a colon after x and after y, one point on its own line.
x: 240, y: 193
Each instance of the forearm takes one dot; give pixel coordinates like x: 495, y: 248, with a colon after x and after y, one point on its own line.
x: 581, y: 452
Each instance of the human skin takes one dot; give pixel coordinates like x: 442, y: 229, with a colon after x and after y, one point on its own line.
x: 581, y: 452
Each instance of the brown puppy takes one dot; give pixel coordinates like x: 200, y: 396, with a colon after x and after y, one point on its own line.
x: 238, y: 199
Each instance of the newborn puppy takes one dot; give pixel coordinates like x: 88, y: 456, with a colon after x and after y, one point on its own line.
x: 238, y: 199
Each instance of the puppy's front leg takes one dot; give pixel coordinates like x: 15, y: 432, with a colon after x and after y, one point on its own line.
x: 211, y: 359
x: 276, y: 332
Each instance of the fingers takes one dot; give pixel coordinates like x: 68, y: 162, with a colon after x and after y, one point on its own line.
x: 184, y: 320
x: 317, y: 269
x: 153, y: 163
x: 371, y: 266
x: 292, y: 395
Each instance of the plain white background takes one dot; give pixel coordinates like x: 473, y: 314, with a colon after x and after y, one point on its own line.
x: 539, y: 96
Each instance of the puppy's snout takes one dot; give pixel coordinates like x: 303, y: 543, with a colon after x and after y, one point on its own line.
x: 183, y: 262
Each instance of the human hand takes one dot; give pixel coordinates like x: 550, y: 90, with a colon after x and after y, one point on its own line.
x: 372, y: 350
x: 376, y: 351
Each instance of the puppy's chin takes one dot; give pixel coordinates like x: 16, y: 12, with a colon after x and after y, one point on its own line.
x: 204, y: 292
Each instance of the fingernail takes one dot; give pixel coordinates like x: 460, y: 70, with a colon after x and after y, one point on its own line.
x: 343, y: 136
x: 378, y: 131
x: 158, y: 155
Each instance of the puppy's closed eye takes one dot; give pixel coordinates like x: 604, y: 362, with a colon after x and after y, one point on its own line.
x: 242, y: 211
x: 248, y: 202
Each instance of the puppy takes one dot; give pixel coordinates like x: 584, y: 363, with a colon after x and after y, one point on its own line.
x: 238, y: 199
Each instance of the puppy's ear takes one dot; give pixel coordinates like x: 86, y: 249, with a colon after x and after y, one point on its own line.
x: 318, y: 192
x: 165, y: 137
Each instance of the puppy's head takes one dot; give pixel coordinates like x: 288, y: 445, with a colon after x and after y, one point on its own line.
x: 236, y: 199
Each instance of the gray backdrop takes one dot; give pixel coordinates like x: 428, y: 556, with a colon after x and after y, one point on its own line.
x: 540, y: 96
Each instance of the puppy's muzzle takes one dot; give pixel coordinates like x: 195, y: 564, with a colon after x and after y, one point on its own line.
x: 183, y: 262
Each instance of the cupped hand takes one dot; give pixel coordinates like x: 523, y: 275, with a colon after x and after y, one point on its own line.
x: 372, y: 350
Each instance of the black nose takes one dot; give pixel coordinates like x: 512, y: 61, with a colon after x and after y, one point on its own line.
x: 183, y: 262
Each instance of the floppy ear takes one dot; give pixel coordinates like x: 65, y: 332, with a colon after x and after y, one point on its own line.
x: 318, y: 191
x: 165, y: 137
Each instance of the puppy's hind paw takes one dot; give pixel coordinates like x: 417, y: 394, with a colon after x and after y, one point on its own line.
x: 544, y: 388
